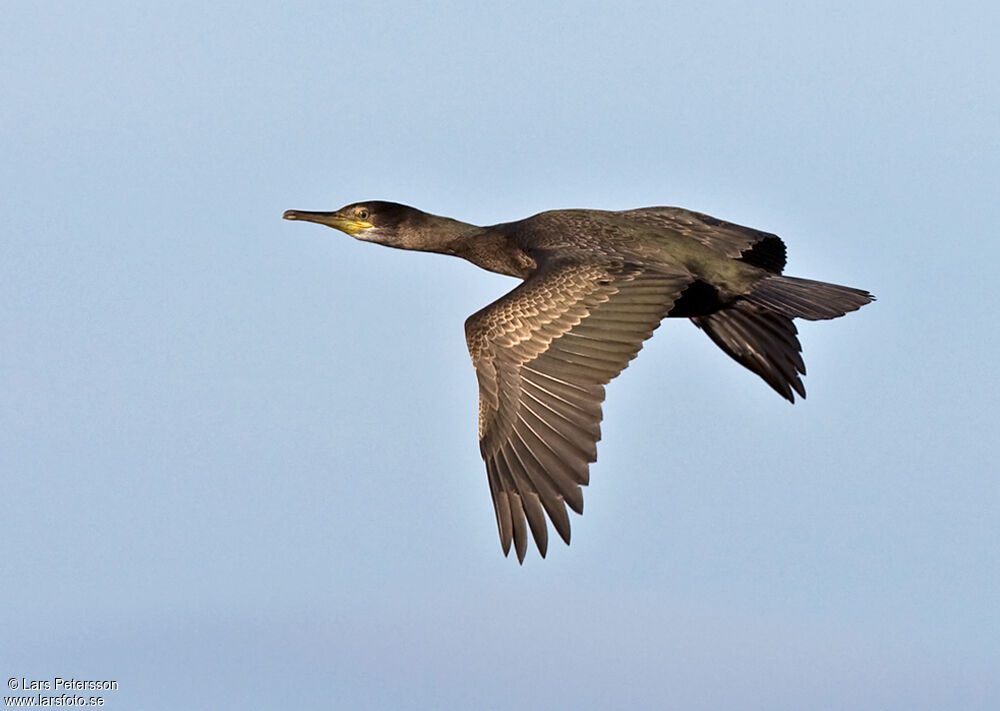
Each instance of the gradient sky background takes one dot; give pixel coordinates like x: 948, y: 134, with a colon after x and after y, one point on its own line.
x: 239, y: 456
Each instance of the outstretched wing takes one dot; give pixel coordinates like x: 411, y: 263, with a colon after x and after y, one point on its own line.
x: 762, y: 249
x: 543, y: 354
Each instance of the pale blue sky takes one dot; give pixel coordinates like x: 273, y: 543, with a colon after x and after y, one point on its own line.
x: 239, y: 455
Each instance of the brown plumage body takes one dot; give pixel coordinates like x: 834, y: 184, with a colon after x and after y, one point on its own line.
x: 596, y: 285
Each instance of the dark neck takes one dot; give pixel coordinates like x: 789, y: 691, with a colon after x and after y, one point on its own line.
x: 493, y: 250
x: 488, y: 247
x: 444, y: 235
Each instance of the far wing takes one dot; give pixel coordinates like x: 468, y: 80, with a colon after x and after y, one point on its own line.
x: 762, y: 249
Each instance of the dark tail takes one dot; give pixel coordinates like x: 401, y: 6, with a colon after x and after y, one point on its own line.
x: 808, y: 299
x: 757, y: 331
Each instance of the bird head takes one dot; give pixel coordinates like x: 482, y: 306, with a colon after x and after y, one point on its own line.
x: 385, y: 223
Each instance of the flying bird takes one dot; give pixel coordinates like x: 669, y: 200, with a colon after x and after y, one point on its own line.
x: 595, y: 286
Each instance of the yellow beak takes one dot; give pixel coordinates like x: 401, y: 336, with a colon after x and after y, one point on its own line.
x: 331, y: 219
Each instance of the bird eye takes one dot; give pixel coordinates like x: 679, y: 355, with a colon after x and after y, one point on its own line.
x: 362, y: 213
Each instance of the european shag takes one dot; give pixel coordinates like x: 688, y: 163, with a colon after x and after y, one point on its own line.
x: 595, y: 286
